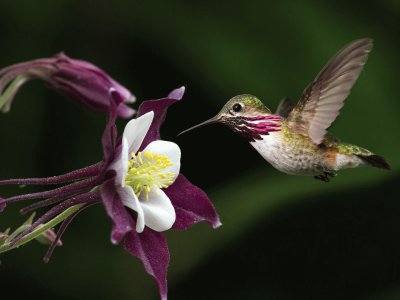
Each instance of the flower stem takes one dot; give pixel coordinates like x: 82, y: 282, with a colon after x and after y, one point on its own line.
x: 39, y: 230
x: 11, y: 90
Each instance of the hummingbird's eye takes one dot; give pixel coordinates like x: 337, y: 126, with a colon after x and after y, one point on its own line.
x: 237, y: 107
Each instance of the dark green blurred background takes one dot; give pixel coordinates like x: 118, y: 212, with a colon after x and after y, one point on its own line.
x: 283, y: 237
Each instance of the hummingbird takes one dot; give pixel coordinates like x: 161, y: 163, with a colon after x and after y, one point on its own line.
x: 294, y: 140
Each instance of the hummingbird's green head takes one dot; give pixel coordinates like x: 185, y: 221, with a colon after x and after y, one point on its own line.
x: 243, y: 105
x: 245, y: 115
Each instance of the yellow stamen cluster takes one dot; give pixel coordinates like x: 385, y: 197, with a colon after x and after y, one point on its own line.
x: 147, y: 171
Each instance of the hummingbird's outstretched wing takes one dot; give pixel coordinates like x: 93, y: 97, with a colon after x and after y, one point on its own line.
x: 324, y: 97
x: 285, y: 107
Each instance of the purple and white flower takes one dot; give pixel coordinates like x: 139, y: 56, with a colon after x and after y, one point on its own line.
x: 139, y: 183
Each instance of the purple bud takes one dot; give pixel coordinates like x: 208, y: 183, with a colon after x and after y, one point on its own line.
x: 80, y: 80
x: 48, y: 237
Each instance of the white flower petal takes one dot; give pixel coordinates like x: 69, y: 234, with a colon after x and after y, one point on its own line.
x: 129, y: 199
x: 159, y: 214
x: 136, y: 130
x: 120, y: 164
x: 171, y: 150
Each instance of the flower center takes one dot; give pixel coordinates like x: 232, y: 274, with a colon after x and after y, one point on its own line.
x: 148, y: 170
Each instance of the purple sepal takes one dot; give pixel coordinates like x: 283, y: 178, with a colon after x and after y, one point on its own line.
x: 177, y: 94
x: 159, y: 107
x: 121, y: 219
x: 191, y: 204
x: 152, y: 249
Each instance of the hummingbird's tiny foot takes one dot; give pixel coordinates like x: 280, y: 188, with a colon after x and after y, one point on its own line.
x: 323, y: 178
x: 326, y: 176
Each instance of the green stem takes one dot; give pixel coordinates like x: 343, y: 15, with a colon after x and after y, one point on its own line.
x: 11, y: 89
x: 42, y: 228
x: 19, y: 230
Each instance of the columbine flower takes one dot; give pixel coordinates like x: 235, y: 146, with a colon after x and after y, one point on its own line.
x: 80, y: 80
x: 138, y: 182
x: 191, y: 204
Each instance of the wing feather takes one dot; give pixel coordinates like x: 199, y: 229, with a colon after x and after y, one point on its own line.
x: 285, y: 107
x: 323, y: 98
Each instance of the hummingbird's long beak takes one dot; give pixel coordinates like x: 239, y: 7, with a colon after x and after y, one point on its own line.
x: 210, y: 121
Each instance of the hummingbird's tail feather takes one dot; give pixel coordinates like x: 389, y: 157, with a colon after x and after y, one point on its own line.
x: 375, y: 161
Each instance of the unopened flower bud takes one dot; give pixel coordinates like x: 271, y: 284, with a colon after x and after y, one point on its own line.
x: 48, y: 237
x: 80, y: 80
